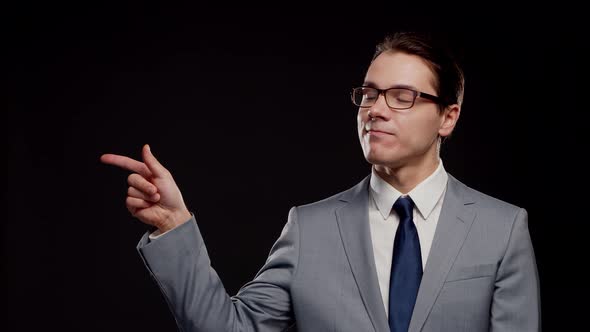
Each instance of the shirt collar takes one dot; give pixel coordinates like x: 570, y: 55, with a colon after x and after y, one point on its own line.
x: 425, y: 195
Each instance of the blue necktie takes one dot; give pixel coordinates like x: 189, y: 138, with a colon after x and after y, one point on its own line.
x: 406, y: 267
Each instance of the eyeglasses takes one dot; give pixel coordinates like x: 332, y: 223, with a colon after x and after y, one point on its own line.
x: 396, y: 98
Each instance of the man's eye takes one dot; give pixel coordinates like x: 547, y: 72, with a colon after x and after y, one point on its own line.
x: 404, y: 99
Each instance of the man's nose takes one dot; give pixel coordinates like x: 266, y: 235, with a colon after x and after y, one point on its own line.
x: 380, y: 108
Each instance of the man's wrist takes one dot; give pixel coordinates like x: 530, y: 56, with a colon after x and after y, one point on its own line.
x: 175, y: 221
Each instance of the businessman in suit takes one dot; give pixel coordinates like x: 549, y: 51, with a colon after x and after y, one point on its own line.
x: 409, y: 248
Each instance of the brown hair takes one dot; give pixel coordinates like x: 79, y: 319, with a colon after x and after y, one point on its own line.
x: 449, y: 80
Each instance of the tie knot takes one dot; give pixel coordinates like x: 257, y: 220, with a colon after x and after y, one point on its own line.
x: 404, y: 207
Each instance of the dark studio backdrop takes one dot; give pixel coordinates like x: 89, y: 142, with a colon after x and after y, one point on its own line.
x: 250, y: 111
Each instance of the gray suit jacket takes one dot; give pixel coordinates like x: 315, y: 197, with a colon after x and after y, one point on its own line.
x: 480, y: 275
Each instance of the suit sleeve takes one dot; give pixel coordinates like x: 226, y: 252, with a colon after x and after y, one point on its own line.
x: 516, y: 303
x: 180, y: 265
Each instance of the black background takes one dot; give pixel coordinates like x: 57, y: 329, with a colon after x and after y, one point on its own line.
x: 249, y: 108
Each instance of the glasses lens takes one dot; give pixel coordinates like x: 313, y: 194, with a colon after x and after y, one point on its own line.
x: 400, y: 98
x: 364, y: 97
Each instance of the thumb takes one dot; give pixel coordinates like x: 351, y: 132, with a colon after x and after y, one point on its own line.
x: 152, y: 163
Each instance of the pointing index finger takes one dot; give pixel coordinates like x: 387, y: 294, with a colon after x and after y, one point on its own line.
x: 126, y: 163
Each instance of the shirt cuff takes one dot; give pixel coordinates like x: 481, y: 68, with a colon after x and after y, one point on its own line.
x: 157, y: 234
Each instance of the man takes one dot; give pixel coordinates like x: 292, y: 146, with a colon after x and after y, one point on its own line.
x: 409, y: 248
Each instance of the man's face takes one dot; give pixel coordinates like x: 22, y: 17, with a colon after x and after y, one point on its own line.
x: 397, y: 138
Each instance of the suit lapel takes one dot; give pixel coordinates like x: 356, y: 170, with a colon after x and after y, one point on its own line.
x: 453, y: 226
x: 353, y: 223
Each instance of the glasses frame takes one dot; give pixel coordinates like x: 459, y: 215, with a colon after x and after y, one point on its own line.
x: 383, y: 92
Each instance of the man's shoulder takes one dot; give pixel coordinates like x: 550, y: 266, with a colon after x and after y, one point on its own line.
x: 482, y: 200
x: 337, y: 199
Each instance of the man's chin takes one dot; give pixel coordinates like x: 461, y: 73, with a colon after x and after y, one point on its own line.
x: 377, y: 160
x: 385, y: 161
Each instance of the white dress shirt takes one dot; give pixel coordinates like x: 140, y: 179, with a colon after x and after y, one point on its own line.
x: 428, y: 196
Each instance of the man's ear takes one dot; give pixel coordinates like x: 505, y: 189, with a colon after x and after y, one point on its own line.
x: 449, y: 119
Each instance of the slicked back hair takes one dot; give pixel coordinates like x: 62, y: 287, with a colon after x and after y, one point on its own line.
x: 449, y: 80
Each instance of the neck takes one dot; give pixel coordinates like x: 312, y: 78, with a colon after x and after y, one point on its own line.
x: 406, y: 177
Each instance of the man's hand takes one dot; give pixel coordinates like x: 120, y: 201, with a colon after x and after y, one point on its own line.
x: 153, y: 197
